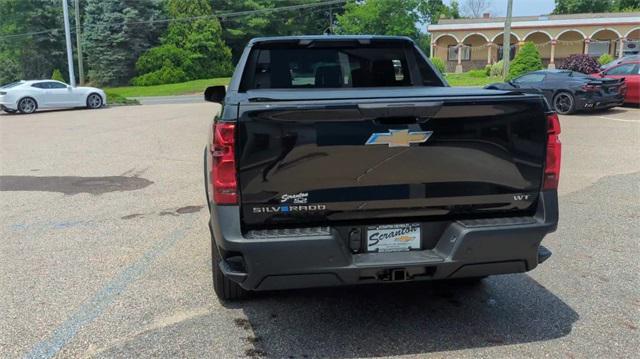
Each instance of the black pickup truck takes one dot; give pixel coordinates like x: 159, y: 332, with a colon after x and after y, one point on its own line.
x: 340, y: 160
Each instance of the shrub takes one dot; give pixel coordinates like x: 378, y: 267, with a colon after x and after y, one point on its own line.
x: 189, y: 50
x: 527, y: 59
x: 161, y: 56
x: 167, y: 74
x: 476, y: 73
x: 605, y: 59
x: 497, y: 69
x: 487, y: 70
x: 57, y: 75
x: 581, y: 63
x: 116, y: 99
x: 164, y: 64
x: 438, y: 63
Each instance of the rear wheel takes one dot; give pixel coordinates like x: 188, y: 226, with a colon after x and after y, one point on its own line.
x: 94, y: 101
x: 27, y: 105
x: 226, y: 289
x: 564, y: 103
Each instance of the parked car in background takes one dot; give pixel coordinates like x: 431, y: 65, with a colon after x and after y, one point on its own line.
x: 622, y: 60
x: 29, y: 96
x: 630, y: 72
x: 569, y: 91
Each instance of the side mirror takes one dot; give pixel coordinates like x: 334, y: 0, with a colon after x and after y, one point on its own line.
x: 215, y: 94
x: 69, y: 87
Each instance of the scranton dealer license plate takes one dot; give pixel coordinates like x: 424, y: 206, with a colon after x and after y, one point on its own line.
x: 393, y: 238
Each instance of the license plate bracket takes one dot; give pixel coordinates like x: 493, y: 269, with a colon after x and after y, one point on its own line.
x: 393, y: 237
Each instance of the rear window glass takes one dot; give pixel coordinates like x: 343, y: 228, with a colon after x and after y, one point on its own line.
x: 338, y: 67
x: 10, y: 85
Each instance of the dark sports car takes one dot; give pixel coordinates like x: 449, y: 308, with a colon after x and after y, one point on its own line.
x: 569, y: 91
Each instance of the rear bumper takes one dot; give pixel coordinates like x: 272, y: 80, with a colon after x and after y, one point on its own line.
x: 7, y: 105
x: 598, y: 102
x: 322, y: 257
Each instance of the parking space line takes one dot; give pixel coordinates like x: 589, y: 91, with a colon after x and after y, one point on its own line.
x: 94, y: 307
x: 618, y: 119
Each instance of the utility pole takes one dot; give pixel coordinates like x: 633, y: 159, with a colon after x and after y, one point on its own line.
x: 67, y: 35
x: 331, y: 20
x: 79, y: 43
x: 506, y: 40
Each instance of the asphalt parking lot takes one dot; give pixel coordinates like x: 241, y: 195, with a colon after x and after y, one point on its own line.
x: 104, y: 252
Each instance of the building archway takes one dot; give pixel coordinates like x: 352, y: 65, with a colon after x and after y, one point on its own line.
x: 633, y: 34
x: 475, y: 52
x: 542, y: 40
x: 569, y: 42
x: 486, y: 39
x: 604, y: 41
x: 632, y: 42
x: 537, y: 31
x: 498, y: 41
x: 580, y: 32
x: 454, y: 37
x: 445, y: 47
x: 498, y: 37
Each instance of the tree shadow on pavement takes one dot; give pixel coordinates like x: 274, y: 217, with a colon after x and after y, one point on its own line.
x: 405, y: 319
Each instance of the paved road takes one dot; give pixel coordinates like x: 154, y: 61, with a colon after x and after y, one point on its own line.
x: 104, y: 252
x: 168, y: 100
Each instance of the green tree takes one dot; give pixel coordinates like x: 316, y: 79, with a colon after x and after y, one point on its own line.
x: 191, y: 49
x: 432, y: 10
x: 238, y: 30
x: 381, y: 17
x: 116, y: 33
x: 453, y: 10
x: 527, y: 59
x: 583, y: 6
x: 10, y: 69
x: 393, y: 17
x: 57, y: 75
x: 35, y: 55
x: 628, y: 5
x: 424, y: 43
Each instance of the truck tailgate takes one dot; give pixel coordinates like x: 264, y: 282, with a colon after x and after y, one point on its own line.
x: 388, y: 158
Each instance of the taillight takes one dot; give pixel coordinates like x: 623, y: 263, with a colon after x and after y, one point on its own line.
x: 223, y: 166
x: 554, y: 149
x: 590, y: 88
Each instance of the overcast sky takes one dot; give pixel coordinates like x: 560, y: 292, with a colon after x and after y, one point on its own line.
x: 520, y: 7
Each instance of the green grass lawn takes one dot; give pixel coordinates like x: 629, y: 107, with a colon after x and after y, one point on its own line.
x: 183, y: 88
x: 198, y: 86
x: 464, y: 79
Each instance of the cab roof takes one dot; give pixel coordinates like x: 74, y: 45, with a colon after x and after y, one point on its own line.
x: 307, y: 39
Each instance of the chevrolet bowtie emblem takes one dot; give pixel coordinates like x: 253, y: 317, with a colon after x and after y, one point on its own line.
x: 398, y: 138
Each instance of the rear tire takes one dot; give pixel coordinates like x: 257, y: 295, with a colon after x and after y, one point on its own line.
x: 27, y: 105
x: 226, y: 289
x: 564, y: 103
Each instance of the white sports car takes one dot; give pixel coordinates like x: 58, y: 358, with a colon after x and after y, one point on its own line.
x: 28, y: 96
